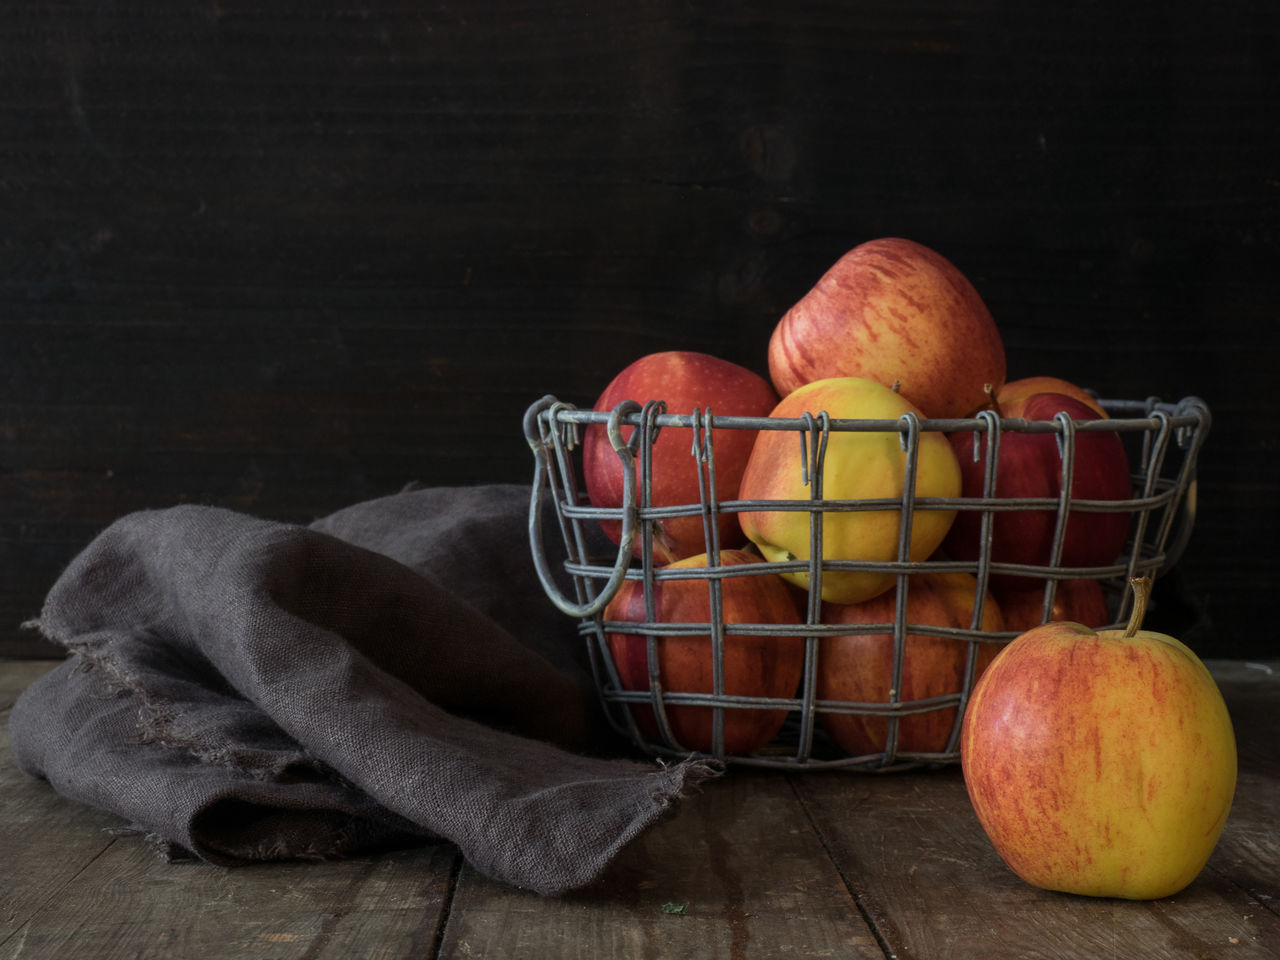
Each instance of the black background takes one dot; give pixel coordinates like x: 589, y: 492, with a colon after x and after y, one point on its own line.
x: 285, y: 256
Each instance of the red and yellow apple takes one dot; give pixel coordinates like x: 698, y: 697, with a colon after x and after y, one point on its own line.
x: 858, y: 667
x: 684, y: 380
x: 1022, y: 389
x: 755, y: 665
x: 858, y: 465
x: 1100, y: 763
x: 1030, y: 466
x: 892, y: 310
x: 1081, y: 601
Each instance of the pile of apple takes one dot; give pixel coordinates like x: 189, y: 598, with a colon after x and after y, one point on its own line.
x: 891, y: 328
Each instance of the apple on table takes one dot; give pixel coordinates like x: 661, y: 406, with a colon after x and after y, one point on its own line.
x: 683, y: 380
x: 1100, y: 762
x: 858, y: 667
x: 858, y: 465
x: 755, y: 665
x: 893, y: 310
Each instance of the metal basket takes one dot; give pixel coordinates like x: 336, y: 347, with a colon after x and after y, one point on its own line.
x: 1162, y: 439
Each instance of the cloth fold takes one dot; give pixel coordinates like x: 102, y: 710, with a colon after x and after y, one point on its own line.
x: 241, y: 690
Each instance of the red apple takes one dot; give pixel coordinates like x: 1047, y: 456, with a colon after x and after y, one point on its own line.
x: 754, y: 665
x: 1080, y: 601
x: 684, y: 380
x: 1030, y: 465
x: 858, y: 667
x: 1023, y: 389
x: 892, y: 310
x: 1100, y: 763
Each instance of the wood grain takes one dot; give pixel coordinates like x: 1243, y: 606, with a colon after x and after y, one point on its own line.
x: 1249, y: 849
x: 74, y: 889
x: 934, y: 886
x: 757, y: 864
x: 917, y: 859
x: 734, y: 875
x: 126, y: 904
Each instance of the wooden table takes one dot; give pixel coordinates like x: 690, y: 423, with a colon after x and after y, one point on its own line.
x: 760, y: 864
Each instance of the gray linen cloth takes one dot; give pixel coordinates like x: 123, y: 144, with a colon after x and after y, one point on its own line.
x: 241, y: 690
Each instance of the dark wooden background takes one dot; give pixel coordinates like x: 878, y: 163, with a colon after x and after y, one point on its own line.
x: 285, y: 256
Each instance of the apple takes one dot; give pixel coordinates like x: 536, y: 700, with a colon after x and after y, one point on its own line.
x: 893, y: 310
x: 1022, y: 389
x: 1081, y: 601
x: 754, y: 665
x: 1030, y: 465
x: 858, y: 667
x: 858, y: 465
x: 1100, y: 763
x: 684, y: 380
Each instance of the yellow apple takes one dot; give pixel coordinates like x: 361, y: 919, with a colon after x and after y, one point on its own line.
x: 1100, y: 763
x: 858, y: 465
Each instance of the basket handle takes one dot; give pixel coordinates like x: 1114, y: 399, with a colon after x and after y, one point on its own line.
x: 1197, y: 408
x: 538, y: 443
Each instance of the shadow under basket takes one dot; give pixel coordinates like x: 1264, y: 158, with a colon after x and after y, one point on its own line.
x: 1161, y: 441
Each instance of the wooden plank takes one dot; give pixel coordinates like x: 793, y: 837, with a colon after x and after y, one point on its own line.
x: 1249, y: 851
x: 86, y: 894
x: 1248, y: 854
x: 127, y: 903
x: 736, y: 873
x: 757, y: 864
x: 917, y: 859
x: 1252, y: 691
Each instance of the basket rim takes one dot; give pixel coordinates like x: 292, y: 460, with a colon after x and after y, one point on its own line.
x: 1141, y: 415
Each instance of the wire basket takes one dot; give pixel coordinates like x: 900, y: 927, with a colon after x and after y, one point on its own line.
x: 1161, y: 440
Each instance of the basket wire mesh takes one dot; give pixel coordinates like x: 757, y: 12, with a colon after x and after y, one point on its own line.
x: 1163, y: 440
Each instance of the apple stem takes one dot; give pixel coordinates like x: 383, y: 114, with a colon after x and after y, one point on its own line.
x: 1141, y: 593
x: 896, y: 386
x: 989, y: 391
